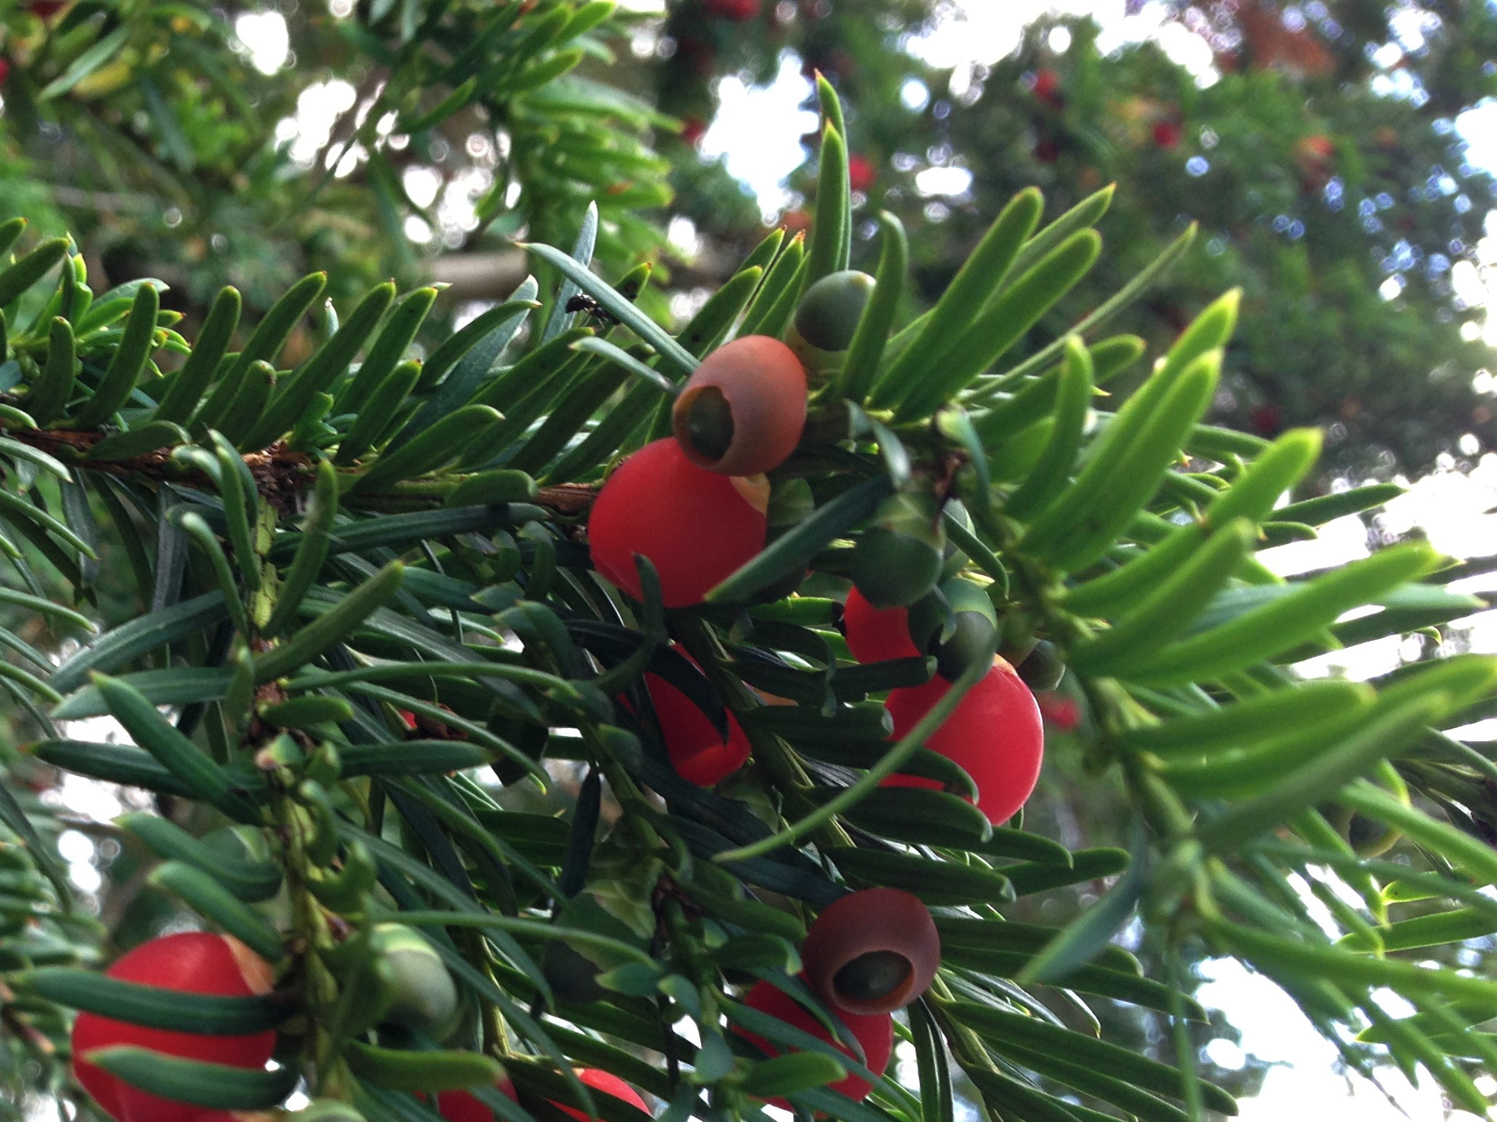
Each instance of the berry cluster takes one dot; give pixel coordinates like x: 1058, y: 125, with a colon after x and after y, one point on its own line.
x: 868, y: 954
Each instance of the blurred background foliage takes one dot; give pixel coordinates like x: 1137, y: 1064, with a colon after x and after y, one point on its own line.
x: 1323, y: 149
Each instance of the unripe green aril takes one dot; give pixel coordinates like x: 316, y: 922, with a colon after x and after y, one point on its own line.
x: 422, y: 995
x: 830, y: 309
x: 1042, y: 668
x: 898, y: 560
x: 790, y: 502
x: 971, y: 641
x: 894, y: 569
x: 970, y: 637
x: 241, y: 843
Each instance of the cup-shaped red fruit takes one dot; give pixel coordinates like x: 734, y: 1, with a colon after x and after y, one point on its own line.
x: 872, y: 951
x: 742, y: 411
x: 695, y: 526
x: 460, y: 1106
x: 697, y: 750
x: 995, y: 734
x: 189, y: 962
x: 875, y: 1034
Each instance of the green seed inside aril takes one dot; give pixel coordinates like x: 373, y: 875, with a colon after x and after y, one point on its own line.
x: 872, y: 976
x: 709, y: 423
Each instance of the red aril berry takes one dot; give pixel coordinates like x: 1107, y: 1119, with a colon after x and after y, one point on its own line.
x: 696, y: 526
x: 876, y: 634
x: 4, y: 70
x: 861, y: 172
x: 995, y: 734
x: 1062, y: 712
x: 1266, y: 419
x: 739, y: 10
x: 696, y: 751
x: 1167, y: 135
x: 461, y: 1106
x: 692, y: 130
x: 742, y: 410
x: 872, y: 951
x: 190, y: 962
x: 875, y: 1033
x: 609, y: 1084
x: 46, y: 9
x: 1046, y: 87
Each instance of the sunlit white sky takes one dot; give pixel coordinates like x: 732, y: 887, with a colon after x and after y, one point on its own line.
x: 758, y: 133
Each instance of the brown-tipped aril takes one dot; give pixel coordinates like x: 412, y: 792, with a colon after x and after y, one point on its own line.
x: 743, y: 409
x: 995, y: 734
x: 189, y: 962
x: 874, y: 1033
x: 872, y: 951
x: 695, y: 526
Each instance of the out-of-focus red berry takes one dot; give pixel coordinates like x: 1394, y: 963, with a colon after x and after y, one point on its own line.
x: 860, y: 172
x: 692, y: 130
x: 1266, y: 419
x: 874, y: 1032
x: 1047, y: 150
x: 1046, y: 87
x: 4, y: 70
x: 1316, y: 156
x: 995, y: 735
x: 739, y: 10
x: 189, y: 962
x: 694, y: 525
x: 876, y: 634
x: 1167, y: 135
x: 46, y: 9
x: 1062, y: 712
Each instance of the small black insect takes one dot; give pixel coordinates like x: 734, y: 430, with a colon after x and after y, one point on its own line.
x: 584, y: 303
